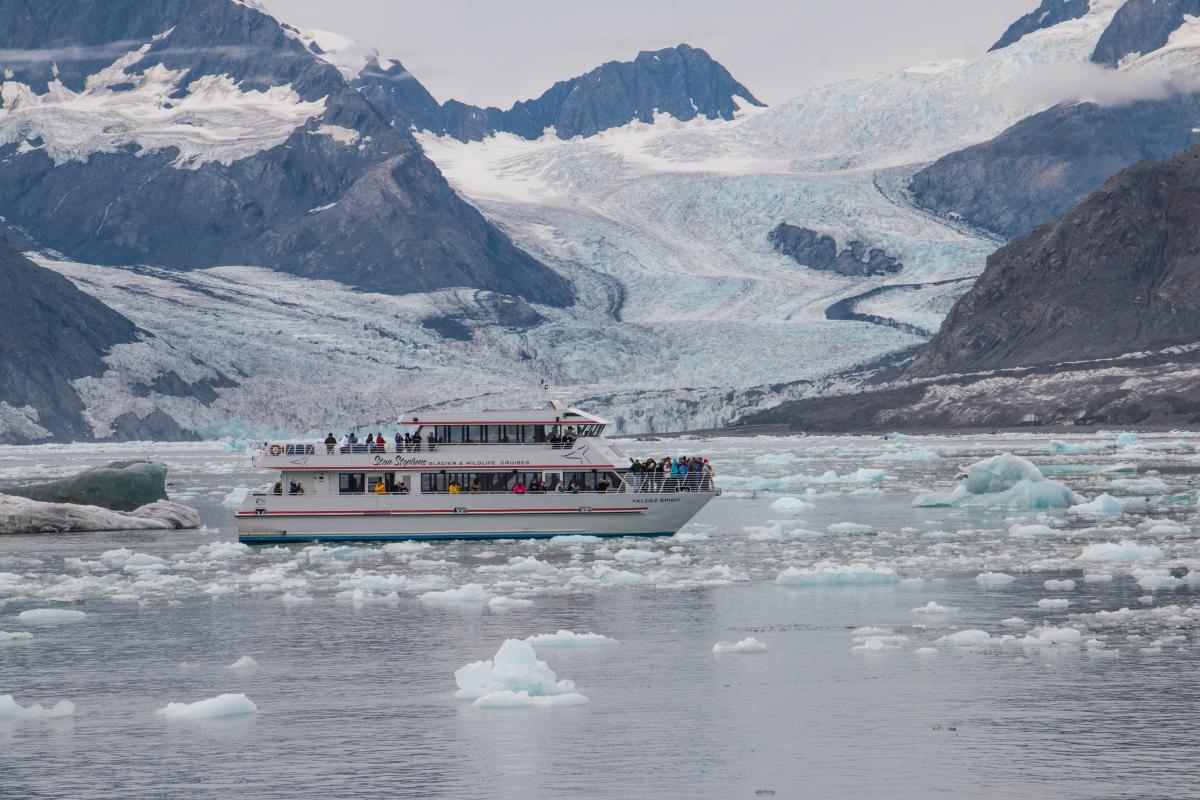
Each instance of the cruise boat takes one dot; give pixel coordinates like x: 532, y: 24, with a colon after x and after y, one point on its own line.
x: 484, y: 475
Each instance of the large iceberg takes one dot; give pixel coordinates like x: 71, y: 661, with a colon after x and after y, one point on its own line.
x: 1005, y: 481
x: 22, y: 515
x: 514, y: 677
x: 120, y: 486
x: 225, y: 705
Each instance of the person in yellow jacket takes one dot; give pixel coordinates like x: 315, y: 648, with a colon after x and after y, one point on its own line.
x: 453, y: 487
x: 380, y: 488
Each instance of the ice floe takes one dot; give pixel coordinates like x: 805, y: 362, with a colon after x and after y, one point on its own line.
x: 514, y: 678
x: 1004, y: 481
x: 469, y: 593
x: 19, y: 515
x: 828, y: 573
x: 224, y: 705
x: 11, y: 709
x: 1124, y: 550
x: 504, y: 602
x: 244, y: 663
x: 934, y: 607
x: 747, y: 645
x: 50, y: 616
x: 569, y: 639
x: 994, y: 579
x: 1104, y: 505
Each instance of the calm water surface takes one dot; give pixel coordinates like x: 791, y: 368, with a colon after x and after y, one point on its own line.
x: 355, y: 693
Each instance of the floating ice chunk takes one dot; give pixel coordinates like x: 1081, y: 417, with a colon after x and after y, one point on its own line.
x: 1141, y: 485
x: 683, y: 536
x: 244, y: 663
x: 1156, y: 580
x: 606, y: 574
x: 1097, y: 577
x: 905, y: 453
x: 10, y: 636
x: 1031, y: 530
x: 506, y: 698
x: 469, y: 593
x: 1013, y: 622
x: 871, y: 630
x: 578, y: 538
x: 790, y: 504
x: 1006, y: 481
x: 569, y: 639
x: 1049, y: 636
x: 849, y: 527
x: 1055, y: 603
x: 933, y: 607
x: 1059, y: 447
x: 1059, y: 586
x: 971, y: 636
x: 401, y: 548
x: 225, y: 705
x: 925, y: 651
x: 1128, y: 438
x: 747, y: 645
x: 1124, y: 550
x: 1103, y: 506
x: 634, y: 556
x: 1167, y: 528
x: 11, y: 709
x: 515, y: 669
x: 994, y: 579
x: 876, y: 643
x: 294, y: 599
x: 222, y: 551
x: 509, y: 602
x: 41, y: 616
x: 827, y: 573
x: 235, y: 497
x: 520, y: 564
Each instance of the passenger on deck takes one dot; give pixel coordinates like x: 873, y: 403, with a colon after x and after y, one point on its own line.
x: 602, y: 485
x: 575, y: 487
x: 330, y: 443
x: 380, y: 488
x: 416, y: 442
x: 399, y: 444
x: 561, y: 488
x: 519, y: 487
x: 353, y: 438
x: 344, y: 444
x: 475, y: 485
x: 537, y: 486
x: 555, y: 440
x: 380, y: 444
x: 278, y: 488
x: 402, y: 487
x: 453, y: 488
x: 433, y: 442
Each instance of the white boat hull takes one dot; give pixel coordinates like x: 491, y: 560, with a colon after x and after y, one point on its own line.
x: 276, y: 519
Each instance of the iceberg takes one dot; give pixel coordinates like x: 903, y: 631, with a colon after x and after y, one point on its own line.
x: 1005, y: 481
x: 1059, y: 447
x: 1049, y: 636
x: 1124, y: 550
x: 827, y: 573
x: 994, y: 580
x: 225, y: 705
x: 790, y: 504
x: 50, y: 615
x: 503, y: 602
x: 469, y: 593
x: 514, y: 678
x: 1053, y: 603
x: 12, y: 636
x: 1059, y: 586
x: 849, y: 527
x: 972, y: 636
x: 11, y: 709
x: 1103, y: 506
x: 118, y: 486
x: 747, y: 645
x: 20, y: 515
x: 933, y: 607
x: 244, y: 663
x: 569, y: 639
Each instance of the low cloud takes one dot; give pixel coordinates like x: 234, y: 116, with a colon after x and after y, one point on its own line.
x: 1059, y: 83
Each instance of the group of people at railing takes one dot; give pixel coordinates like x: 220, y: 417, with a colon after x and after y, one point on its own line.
x: 684, y: 473
x: 375, y: 443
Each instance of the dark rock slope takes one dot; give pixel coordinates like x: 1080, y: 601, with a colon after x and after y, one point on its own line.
x: 370, y: 211
x: 819, y: 251
x: 1140, y: 27
x: 1049, y: 162
x: 51, y: 333
x: 1119, y: 273
x: 1049, y: 13
x: 682, y: 81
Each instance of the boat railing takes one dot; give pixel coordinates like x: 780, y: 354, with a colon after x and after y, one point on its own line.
x: 655, y: 483
x: 310, y: 449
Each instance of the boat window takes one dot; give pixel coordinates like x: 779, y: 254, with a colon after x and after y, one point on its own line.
x: 351, y: 482
x: 591, y: 481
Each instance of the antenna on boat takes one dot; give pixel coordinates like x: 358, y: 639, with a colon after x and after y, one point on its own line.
x: 559, y: 398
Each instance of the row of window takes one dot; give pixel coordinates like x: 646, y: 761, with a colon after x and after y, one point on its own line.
x: 508, y: 434
x: 359, y: 483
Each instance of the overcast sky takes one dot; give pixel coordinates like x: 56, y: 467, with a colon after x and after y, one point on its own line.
x: 491, y: 52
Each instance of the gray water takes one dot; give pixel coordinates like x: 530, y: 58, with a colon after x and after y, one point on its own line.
x: 355, y: 693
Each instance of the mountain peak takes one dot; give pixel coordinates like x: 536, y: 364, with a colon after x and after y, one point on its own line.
x: 683, y: 81
x: 1142, y: 26
x: 1046, y: 15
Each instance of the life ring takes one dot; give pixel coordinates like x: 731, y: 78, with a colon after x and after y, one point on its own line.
x: 276, y: 450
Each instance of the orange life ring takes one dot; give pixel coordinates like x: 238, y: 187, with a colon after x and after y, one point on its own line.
x: 276, y: 450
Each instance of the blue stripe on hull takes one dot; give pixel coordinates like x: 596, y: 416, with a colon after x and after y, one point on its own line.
x: 284, y: 538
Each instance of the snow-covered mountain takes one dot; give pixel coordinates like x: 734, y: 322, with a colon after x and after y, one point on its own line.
x: 684, y: 313
x: 202, y: 133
